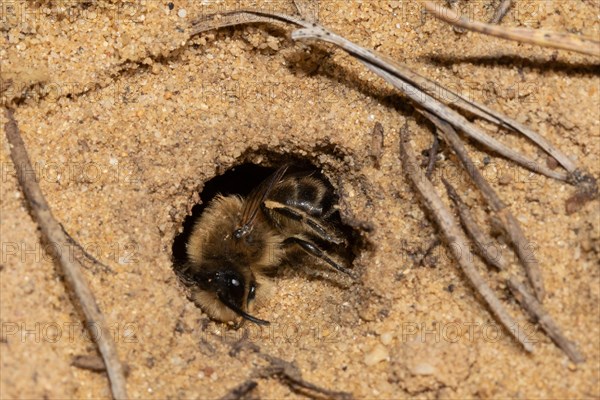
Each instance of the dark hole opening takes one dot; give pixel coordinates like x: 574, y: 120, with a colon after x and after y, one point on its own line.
x: 240, y: 180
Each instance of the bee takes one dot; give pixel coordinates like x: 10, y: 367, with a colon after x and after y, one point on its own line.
x: 237, y: 241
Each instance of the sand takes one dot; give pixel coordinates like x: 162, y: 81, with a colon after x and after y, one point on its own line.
x: 125, y: 121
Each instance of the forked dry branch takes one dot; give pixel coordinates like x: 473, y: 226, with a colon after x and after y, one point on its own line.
x: 510, y: 224
x: 455, y: 237
x: 286, y: 372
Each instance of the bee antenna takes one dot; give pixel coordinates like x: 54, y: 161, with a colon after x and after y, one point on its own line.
x: 243, y: 314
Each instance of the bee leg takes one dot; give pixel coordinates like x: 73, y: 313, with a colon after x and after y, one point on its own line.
x: 329, y: 212
x: 313, y: 250
x: 301, y: 216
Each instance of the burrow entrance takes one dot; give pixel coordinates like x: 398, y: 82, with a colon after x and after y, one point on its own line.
x: 240, y: 180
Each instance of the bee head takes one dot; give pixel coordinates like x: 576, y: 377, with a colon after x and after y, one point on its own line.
x: 235, y: 292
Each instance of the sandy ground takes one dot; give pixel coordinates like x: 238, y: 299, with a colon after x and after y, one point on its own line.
x: 125, y: 121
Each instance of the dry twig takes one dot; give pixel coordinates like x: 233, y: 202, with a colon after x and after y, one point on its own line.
x: 481, y: 239
x: 501, y: 11
x: 413, y: 86
x: 71, y: 267
x: 454, y: 236
x: 537, y: 313
x: 564, y: 41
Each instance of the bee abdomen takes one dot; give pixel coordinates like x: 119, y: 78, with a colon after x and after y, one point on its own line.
x: 305, y: 193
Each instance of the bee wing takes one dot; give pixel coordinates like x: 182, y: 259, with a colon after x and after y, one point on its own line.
x: 255, y: 199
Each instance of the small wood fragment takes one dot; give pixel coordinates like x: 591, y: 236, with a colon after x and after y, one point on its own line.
x: 89, y: 362
x: 376, y: 149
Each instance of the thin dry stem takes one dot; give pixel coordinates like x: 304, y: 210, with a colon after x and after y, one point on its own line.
x: 537, y: 313
x: 391, y: 73
x: 501, y: 11
x: 71, y: 267
x: 454, y: 236
x: 482, y: 240
x: 244, y: 16
x: 564, y: 41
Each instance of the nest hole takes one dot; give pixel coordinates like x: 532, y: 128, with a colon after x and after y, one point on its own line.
x: 240, y: 180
